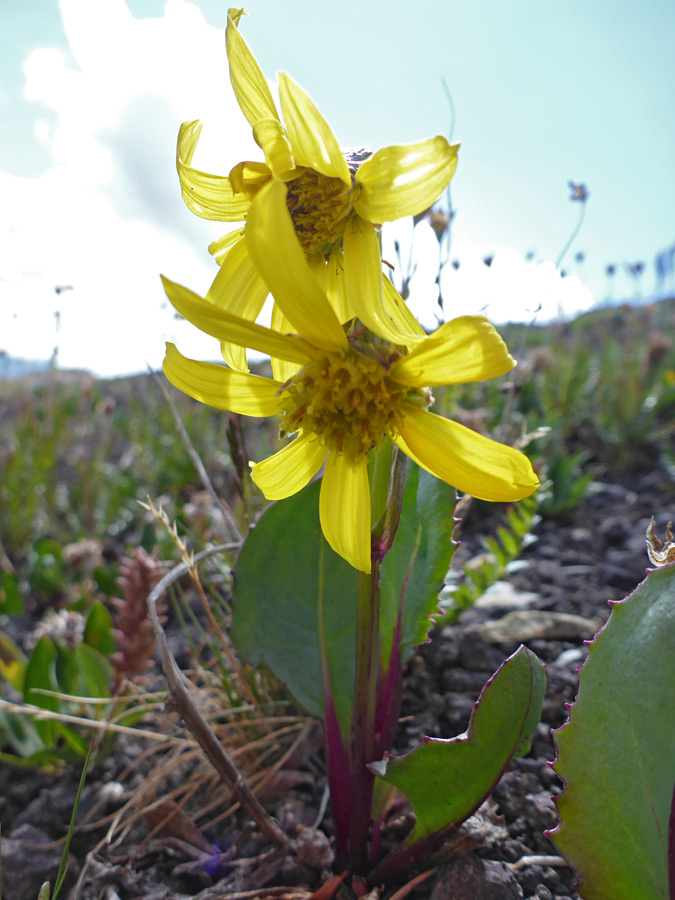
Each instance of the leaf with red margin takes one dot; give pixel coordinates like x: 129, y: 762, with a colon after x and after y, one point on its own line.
x: 447, y: 780
x: 616, y: 753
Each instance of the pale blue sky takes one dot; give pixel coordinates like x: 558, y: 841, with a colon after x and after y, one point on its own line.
x: 543, y: 93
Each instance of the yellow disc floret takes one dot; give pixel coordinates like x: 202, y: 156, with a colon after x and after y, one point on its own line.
x: 319, y: 207
x: 346, y: 400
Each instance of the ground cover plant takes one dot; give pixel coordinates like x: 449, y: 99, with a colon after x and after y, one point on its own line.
x: 26, y: 598
x: 318, y: 609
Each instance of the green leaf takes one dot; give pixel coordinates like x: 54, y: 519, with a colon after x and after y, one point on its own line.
x: 94, y: 670
x: 446, y: 780
x: 414, y: 569
x: 65, y: 858
x: 616, y: 751
x: 106, y: 580
x: 284, y: 568
x: 98, y: 629
x: 19, y: 732
x: 40, y: 676
x: 11, y: 601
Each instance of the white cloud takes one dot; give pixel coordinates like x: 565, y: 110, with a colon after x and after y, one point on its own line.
x: 107, y: 216
x: 509, y: 290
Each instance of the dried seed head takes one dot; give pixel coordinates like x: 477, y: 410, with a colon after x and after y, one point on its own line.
x: 660, y: 553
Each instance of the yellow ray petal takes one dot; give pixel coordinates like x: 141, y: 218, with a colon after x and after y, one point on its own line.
x: 317, y: 265
x: 469, y: 461
x: 238, y: 289
x: 223, y: 388
x: 226, y: 327
x: 404, y: 180
x: 363, y: 283
x: 271, y: 136
x: 344, y: 508
x: 464, y: 349
x: 234, y: 356
x: 223, y: 245
x: 248, y: 81
x: 277, y: 254
x: 208, y: 196
x: 335, y: 285
x: 289, y: 470
x: 255, y: 98
x: 314, y: 144
x: 399, y: 312
x: 282, y: 370
x: 248, y: 177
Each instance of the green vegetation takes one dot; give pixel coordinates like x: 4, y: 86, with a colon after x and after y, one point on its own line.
x: 592, y: 399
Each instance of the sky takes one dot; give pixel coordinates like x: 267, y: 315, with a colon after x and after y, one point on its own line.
x: 92, y: 93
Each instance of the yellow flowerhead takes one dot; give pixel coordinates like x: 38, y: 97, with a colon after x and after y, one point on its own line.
x: 335, y: 203
x: 346, y: 393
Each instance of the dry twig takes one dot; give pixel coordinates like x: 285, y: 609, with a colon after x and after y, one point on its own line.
x: 196, y: 723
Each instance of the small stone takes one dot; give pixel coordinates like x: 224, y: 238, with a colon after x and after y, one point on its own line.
x: 503, y: 595
x: 472, y: 878
x: 581, y: 536
x: 446, y: 648
x: 543, y: 893
x: 461, y: 681
x: 26, y: 865
x: 529, y: 625
x: 531, y: 877
x: 571, y: 659
x: 477, y: 655
x: 540, y: 811
x: 313, y: 848
x: 511, y: 791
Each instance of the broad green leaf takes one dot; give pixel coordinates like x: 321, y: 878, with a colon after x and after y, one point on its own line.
x: 415, y: 567
x: 284, y: 568
x: 98, y: 629
x: 617, y: 751
x: 82, y: 672
x: 66, y: 671
x: 95, y: 672
x: 40, y: 676
x: 446, y: 780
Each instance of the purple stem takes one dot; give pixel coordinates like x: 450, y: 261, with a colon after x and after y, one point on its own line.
x: 340, y: 776
x: 363, y: 719
x: 339, y: 763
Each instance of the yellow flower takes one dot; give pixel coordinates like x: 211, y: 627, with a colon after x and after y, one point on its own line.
x: 346, y: 393
x: 334, y: 203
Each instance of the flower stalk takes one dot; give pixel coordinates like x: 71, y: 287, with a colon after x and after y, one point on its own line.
x: 364, y: 738
x: 377, y: 688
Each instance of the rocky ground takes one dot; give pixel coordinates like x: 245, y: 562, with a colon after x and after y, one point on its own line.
x: 554, y: 599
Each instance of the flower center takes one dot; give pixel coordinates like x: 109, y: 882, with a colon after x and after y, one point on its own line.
x: 346, y: 400
x: 319, y: 207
